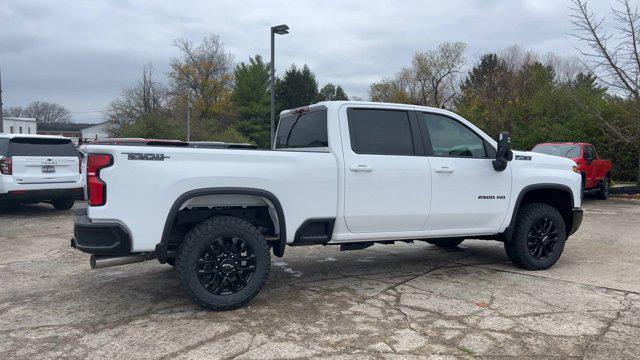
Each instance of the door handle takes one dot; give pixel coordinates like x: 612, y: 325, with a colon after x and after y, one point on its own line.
x: 361, y: 168
x: 444, y: 169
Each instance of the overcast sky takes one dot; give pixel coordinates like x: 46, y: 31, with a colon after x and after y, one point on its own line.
x: 82, y: 53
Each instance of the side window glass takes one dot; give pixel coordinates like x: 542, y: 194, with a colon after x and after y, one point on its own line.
x: 304, y: 130
x: 380, y: 132
x: 589, y: 152
x: 451, y: 138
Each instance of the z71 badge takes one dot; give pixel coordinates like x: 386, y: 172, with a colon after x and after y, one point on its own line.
x: 146, y: 156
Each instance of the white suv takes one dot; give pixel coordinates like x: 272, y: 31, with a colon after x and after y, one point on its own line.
x: 39, y: 168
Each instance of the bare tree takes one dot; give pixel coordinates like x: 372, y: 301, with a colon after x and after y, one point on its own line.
x: 44, y: 112
x: 431, y: 80
x: 146, y: 97
x: 388, y: 90
x: 615, y: 60
x: 204, y: 72
x: 14, y: 111
x: 436, y: 72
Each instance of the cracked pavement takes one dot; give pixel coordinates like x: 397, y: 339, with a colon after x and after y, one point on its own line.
x: 398, y: 301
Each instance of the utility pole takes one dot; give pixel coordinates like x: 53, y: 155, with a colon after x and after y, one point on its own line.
x: 189, y: 118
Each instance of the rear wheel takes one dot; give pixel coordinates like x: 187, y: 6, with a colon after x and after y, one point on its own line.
x: 446, y: 243
x: 64, y: 203
x: 603, y: 192
x: 223, y: 263
x: 539, y: 237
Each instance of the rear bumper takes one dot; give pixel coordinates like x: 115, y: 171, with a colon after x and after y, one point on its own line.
x: 577, y: 220
x: 40, y: 195
x: 99, y: 238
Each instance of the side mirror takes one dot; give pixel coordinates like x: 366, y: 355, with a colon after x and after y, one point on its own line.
x: 504, y: 153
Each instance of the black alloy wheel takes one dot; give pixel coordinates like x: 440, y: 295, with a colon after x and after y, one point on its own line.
x: 539, y: 237
x: 226, y: 266
x: 542, y: 238
x: 223, y: 263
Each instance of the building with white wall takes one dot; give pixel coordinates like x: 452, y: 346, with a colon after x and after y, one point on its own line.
x: 76, y: 131
x: 16, y: 125
x: 96, y: 131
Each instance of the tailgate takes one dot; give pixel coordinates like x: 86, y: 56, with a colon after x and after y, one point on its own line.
x: 44, y: 160
x: 39, y: 169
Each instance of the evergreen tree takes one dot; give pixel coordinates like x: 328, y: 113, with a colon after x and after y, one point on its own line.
x: 331, y: 92
x: 298, y: 87
x: 340, y: 94
x: 252, y: 100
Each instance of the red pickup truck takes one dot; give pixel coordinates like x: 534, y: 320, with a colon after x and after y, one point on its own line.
x: 596, y: 172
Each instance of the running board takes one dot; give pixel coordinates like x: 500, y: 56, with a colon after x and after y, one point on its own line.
x: 355, y: 246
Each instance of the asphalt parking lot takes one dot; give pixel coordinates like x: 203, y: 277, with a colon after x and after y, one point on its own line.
x: 388, y: 301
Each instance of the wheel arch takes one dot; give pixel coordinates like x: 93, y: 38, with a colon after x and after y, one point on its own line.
x: 272, y: 202
x: 557, y: 195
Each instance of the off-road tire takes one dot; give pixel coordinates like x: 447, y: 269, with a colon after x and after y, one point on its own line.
x: 446, y: 243
x: 64, y: 203
x: 199, y: 238
x: 603, y: 191
x: 517, y: 247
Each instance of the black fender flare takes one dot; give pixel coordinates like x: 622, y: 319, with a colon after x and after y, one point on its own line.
x: 278, y: 249
x: 508, y: 232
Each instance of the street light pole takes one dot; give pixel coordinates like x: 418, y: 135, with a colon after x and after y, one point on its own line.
x: 1, y: 110
x: 273, y: 92
x: 280, y: 30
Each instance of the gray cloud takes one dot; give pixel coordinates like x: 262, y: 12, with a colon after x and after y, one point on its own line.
x: 81, y: 54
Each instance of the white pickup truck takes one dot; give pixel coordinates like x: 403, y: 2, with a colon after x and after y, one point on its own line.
x: 341, y: 173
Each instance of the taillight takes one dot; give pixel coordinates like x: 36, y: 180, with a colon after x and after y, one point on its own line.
x: 96, y: 188
x: 6, y: 167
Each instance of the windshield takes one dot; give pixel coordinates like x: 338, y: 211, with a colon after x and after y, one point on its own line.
x: 567, y: 151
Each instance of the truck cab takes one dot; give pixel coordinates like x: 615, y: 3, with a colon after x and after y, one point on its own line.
x: 343, y: 173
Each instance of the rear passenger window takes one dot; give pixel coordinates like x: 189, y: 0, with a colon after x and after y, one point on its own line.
x: 304, y: 130
x: 380, y: 132
x: 41, y: 147
x: 451, y: 138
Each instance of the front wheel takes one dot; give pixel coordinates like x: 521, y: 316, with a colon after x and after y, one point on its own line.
x: 539, y: 237
x: 64, y: 203
x: 603, y: 192
x: 223, y: 263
